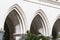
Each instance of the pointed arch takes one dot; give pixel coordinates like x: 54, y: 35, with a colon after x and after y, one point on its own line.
x: 40, y: 15
x: 16, y: 20
x: 56, y: 27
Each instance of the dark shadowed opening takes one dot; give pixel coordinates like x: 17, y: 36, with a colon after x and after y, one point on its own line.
x: 11, y: 23
x: 6, y: 33
x: 36, y: 25
x: 56, y: 29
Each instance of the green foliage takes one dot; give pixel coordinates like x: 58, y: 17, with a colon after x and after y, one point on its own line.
x: 58, y: 36
x: 38, y: 36
x: 45, y: 38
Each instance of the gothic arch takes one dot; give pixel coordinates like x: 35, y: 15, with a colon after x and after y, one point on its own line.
x: 40, y: 15
x: 56, y: 27
x: 16, y: 20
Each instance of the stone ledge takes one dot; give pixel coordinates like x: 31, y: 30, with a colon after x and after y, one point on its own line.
x: 18, y: 34
x: 48, y: 3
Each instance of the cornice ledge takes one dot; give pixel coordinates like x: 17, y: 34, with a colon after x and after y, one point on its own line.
x: 49, y: 3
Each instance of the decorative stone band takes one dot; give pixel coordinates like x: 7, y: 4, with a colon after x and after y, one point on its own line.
x: 20, y: 36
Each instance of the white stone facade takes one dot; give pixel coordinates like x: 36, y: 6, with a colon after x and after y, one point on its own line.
x: 22, y: 12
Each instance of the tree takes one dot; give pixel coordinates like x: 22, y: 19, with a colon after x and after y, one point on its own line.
x: 38, y: 36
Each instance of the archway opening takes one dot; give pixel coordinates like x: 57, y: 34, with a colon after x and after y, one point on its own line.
x: 37, y: 25
x: 11, y: 25
x: 56, y: 29
x: 6, y: 34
